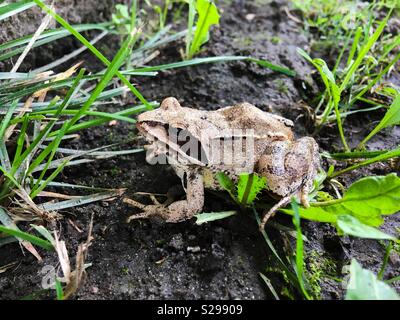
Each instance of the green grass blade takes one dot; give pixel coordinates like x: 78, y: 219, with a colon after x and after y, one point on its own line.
x: 27, y: 237
x: 383, y: 157
x: 96, y: 52
x: 11, y: 9
x: 299, y: 249
x: 40, y: 187
x: 363, y: 52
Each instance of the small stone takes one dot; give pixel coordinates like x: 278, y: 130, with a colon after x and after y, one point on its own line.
x: 176, y: 242
x: 193, y: 249
x: 250, y: 16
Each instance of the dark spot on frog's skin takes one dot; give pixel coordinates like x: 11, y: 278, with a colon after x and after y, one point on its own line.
x: 203, y: 117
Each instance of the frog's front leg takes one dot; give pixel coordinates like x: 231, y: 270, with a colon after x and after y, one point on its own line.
x: 179, y: 210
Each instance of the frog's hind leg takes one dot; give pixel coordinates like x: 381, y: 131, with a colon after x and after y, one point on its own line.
x: 282, y: 203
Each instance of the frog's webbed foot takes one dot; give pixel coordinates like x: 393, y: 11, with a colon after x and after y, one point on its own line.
x: 156, y: 209
x: 174, y: 211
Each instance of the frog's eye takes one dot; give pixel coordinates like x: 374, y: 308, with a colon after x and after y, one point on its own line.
x: 170, y: 104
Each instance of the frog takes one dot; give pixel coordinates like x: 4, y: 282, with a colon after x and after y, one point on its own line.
x: 198, y: 144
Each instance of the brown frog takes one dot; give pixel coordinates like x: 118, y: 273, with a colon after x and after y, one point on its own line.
x: 234, y: 139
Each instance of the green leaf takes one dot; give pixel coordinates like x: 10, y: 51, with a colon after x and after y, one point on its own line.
x: 226, y: 183
x: 212, y: 216
x: 366, y: 199
x: 391, y: 118
x: 59, y: 290
x: 353, y: 227
x: 248, y: 187
x: 44, y: 233
x: 208, y: 16
x: 28, y: 237
x: 364, y: 285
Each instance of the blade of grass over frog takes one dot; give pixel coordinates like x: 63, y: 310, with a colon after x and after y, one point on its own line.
x: 27, y: 237
x: 391, y: 118
x: 192, y: 62
x: 11, y: 9
x: 269, y: 285
x: 290, y: 275
x: 96, y: 52
x: 299, y: 249
x: 212, y: 216
x: 364, y: 51
x: 51, y: 206
x: 383, y: 157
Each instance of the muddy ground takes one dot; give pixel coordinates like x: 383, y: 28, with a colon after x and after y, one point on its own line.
x: 219, y: 260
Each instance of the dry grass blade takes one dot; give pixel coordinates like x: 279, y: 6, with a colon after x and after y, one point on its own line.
x: 75, y: 278
x: 63, y: 258
x: 9, y: 223
x: 45, y: 23
x: 7, y: 266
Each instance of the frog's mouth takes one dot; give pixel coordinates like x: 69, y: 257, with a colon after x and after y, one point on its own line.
x: 161, y: 134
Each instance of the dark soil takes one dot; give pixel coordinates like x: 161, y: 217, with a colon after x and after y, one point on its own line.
x: 219, y: 260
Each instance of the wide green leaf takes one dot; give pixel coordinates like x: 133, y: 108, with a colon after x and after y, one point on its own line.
x: 249, y: 186
x: 364, y: 285
x: 353, y: 227
x: 367, y: 199
x: 212, y: 216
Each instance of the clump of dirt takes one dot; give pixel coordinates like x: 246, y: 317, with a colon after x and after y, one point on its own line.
x: 219, y: 260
